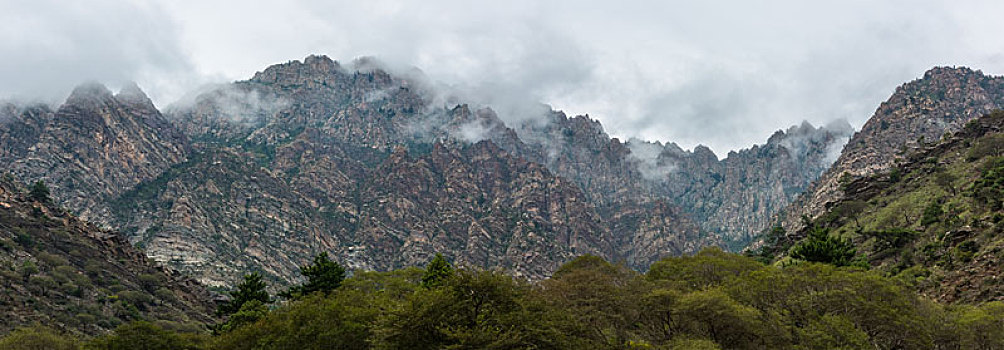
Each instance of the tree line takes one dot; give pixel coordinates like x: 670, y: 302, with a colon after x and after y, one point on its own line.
x: 712, y: 300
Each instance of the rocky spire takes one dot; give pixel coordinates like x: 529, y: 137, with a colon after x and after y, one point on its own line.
x: 89, y: 93
x: 131, y: 93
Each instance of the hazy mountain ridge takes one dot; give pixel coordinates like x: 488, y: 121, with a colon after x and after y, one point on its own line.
x: 734, y: 198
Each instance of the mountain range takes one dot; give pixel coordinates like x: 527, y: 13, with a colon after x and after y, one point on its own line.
x: 372, y: 167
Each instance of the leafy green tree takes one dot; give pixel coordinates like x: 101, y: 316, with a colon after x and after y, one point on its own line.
x: 852, y: 209
x: 601, y: 296
x: 892, y: 238
x: 714, y: 315
x: 659, y: 320
x: 472, y: 310
x: 775, y: 235
x: 342, y: 320
x: 693, y: 344
x: 990, y: 145
x: 819, y: 246
x: 982, y: 327
x: 143, y: 335
x: 989, y: 188
x: 28, y: 269
x: 833, y: 332
x: 38, y: 338
x: 437, y: 272
x: 946, y: 181
x: 710, y: 267
x: 251, y: 289
x: 249, y: 313
x: 895, y: 174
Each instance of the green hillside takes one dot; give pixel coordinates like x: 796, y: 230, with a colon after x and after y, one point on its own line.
x: 934, y: 221
x: 62, y: 272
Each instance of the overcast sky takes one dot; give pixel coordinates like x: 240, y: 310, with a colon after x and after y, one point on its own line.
x: 720, y: 73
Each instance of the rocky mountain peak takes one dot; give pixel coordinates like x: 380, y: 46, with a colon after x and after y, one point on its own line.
x: 805, y: 129
x: 89, y: 93
x: 803, y: 139
x: 945, y: 72
x: 94, y: 147
x: 922, y: 110
x: 314, y: 68
x: 319, y: 60
x: 704, y: 153
x: 132, y: 94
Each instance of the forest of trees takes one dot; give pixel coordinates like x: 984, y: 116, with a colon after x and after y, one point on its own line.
x: 713, y: 300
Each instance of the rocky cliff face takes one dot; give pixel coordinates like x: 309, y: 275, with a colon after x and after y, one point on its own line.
x: 734, y: 198
x: 315, y: 156
x: 92, y: 148
x: 919, y: 112
x: 328, y: 131
x: 60, y: 271
x: 731, y: 200
x: 219, y: 215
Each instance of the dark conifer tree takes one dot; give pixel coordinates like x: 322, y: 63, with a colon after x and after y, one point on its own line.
x: 252, y: 289
x: 436, y: 272
x: 323, y: 275
x: 39, y: 192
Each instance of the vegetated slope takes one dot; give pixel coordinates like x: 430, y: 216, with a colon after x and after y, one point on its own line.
x: 62, y: 272
x: 936, y: 218
x: 943, y: 100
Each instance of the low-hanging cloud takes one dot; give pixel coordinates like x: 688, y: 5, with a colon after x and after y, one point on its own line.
x: 799, y: 140
x: 8, y: 111
x: 239, y: 105
x: 647, y: 155
x: 721, y: 74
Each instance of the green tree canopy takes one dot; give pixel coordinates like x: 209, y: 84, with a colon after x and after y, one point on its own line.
x: 819, y: 246
x: 37, y: 338
x: 437, y: 272
x: 323, y: 275
x: 252, y: 289
x: 142, y: 335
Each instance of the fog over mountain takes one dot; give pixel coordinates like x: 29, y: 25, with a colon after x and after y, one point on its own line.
x: 717, y: 73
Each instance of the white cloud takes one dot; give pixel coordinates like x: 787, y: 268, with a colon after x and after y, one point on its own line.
x: 47, y: 47
x: 722, y: 73
x: 647, y: 155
